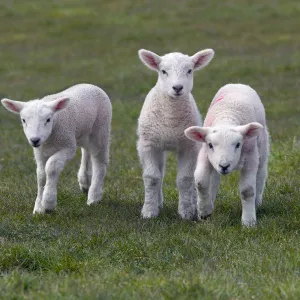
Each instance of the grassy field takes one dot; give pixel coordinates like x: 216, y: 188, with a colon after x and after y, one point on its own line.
x: 108, y: 251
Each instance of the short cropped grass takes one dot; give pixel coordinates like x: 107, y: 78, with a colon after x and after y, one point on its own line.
x: 108, y: 251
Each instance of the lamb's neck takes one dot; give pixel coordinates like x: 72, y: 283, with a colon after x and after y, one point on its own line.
x: 169, y: 103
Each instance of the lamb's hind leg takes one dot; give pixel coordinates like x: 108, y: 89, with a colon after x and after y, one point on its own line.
x: 262, y: 172
x: 99, y: 155
x: 85, y: 171
x: 98, y: 173
x: 152, y: 161
x: 185, y: 182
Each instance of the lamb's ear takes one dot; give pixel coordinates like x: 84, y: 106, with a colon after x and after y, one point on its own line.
x: 202, y: 58
x: 58, y: 104
x: 196, y: 133
x: 13, y: 106
x: 250, y: 130
x: 150, y: 59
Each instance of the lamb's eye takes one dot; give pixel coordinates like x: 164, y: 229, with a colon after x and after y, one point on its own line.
x: 210, y: 146
x: 48, y: 120
x: 238, y: 145
x: 23, y: 121
x: 189, y: 71
x: 164, y: 72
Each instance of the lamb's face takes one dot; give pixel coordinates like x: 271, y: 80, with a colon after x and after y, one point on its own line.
x: 175, y: 70
x: 37, y: 121
x: 224, y: 146
x: 36, y: 117
x: 224, y: 143
x: 175, y: 75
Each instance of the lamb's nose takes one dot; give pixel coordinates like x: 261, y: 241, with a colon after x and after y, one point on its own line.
x: 35, y: 141
x: 177, y: 88
x: 224, y: 168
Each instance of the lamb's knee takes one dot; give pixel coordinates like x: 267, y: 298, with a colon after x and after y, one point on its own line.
x: 52, y: 172
x: 247, y: 193
x: 151, y: 181
x: 185, y: 182
x: 201, y: 187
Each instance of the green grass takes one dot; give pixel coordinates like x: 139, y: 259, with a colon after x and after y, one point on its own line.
x: 108, y: 251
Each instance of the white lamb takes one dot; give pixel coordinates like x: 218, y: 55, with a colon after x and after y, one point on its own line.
x: 233, y: 140
x: 169, y: 108
x: 55, y: 126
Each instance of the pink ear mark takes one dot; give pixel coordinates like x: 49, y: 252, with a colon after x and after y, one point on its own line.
x: 197, y: 135
x: 251, y: 131
x: 60, y: 105
x: 150, y: 60
x: 12, y: 106
x: 201, y: 60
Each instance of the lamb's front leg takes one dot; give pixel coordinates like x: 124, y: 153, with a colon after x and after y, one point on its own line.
x: 203, y: 176
x: 187, y: 160
x: 215, y: 179
x: 248, y: 189
x: 54, y: 166
x: 41, y: 180
x: 152, y: 160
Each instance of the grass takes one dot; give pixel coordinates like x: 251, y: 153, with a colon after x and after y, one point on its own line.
x: 108, y: 251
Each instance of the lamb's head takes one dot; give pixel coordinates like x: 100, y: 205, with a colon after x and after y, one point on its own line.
x: 224, y: 143
x: 36, y: 117
x: 175, y: 70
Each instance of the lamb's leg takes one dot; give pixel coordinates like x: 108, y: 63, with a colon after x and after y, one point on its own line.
x: 203, y: 177
x: 41, y: 180
x: 262, y: 172
x: 99, y: 171
x: 215, y: 179
x: 187, y: 160
x: 248, y: 189
x: 261, y: 179
x: 162, y: 171
x: 54, y: 166
x: 152, y: 161
x: 85, y: 171
x: 98, y: 149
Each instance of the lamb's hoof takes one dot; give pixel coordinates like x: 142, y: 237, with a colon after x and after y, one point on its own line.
x: 149, y: 213
x: 189, y: 214
x: 38, y: 211
x: 84, y: 189
x: 93, y: 202
x: 204, y: 217
x: 49, y: 211
x: 43, y: 211
x: 249, y: 223
x: 258, y: 202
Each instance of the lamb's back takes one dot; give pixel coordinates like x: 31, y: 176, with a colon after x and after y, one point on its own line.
x: 89, y: 105
x: 237, y: 103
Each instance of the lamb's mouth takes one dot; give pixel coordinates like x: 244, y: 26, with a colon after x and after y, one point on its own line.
x: 176, y: 95
x: 224, y: 172
x: 35, y: 146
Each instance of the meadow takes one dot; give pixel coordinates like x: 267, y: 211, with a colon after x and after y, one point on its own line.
x: 108, y: 251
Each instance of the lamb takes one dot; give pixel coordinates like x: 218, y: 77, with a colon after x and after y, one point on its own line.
x: 55, y: 126
x: 169, y: 108
x: 235, y: 137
